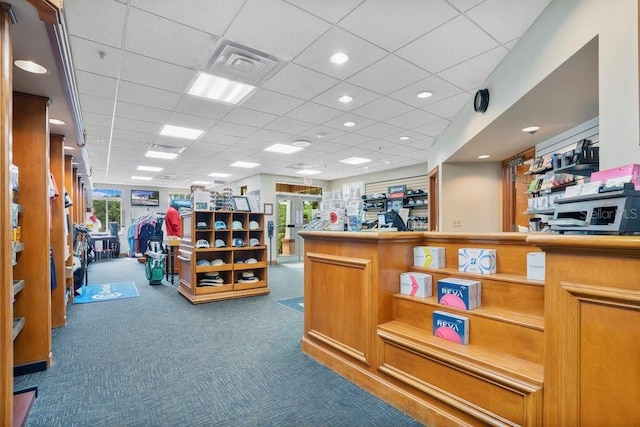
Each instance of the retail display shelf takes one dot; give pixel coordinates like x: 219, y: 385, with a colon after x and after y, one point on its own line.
x: 18, y: 246
x: 580, y: 169
x: 552, y: 189
x: 18, y: 285
x: 18, y: 324
x: 541, y: 212
x: 501, y: 277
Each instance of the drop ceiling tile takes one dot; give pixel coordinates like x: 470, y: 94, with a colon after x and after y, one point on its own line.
x: 96, y: 85
x: 300, y: 82
x: 326, y: 147
x: 379, y: 130
x: 135, y: 145
x: 462, y: 38
x: 191, y: 122
x: 433, y: 129
x: 473, y: 72
x: 149, y: 96
x: 208, y: 146
x: 448, y: 108
x: 105, y: 27
x: 271, y: 136
x: 289, y: 126
x: 151, y: 72
x: 124, y: 123
x: 172, y: 42
x: 440, y: 88
x: 329, y: 10
x: 275, y: 27
x: 352, y: 139
x: 232, y: 129
x: 338, y: 122
x: 96, y: 119
x: 244, y: 116
x: 510, y: 45
x: 414, y: 136
x: 218, y: 138
x: 413, y: 118
x: 86, y: 57
x: 319, y: 134
x: 96, y: 132
x: 95, y: 104
x: 213, y: 16
x: 392, y: 24
x: 271, y: 102
x: 314, y: 113
x: 360, y: 96
x: 361, y: 54
x: 202, y: 107
x: 504, y: 19
x: 463, y: 5
x: 141, y: 112
x: 422, y: 144
x: 133, y: 136
x: 173, y: 142
x: 383, y: 109
x: 389, y: 74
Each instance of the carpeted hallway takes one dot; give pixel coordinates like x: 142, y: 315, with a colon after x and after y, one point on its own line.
x: 157, y: 360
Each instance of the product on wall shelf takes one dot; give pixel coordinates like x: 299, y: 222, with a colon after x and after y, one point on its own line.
x: 409, y: 199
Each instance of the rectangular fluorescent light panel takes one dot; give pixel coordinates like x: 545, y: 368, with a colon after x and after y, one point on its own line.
x: 161, y: 155
x: 283, y: 148
x: 220, y: 89
x: 149, y: 168
x: 244, y: 165
x: 355, y: 160
x: 166, y: 152
x: 142, y: 178
x: 307, y: 172
x: 180, y: 132
x: 201, y: 182
x: 220, y: 175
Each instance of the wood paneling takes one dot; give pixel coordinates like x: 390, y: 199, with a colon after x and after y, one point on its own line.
x: 68, y: 180
x: 58, y: 225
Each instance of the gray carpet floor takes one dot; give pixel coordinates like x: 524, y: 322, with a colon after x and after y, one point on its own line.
x: 158, y: 360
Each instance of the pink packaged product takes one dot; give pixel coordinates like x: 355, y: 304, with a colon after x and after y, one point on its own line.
x: 616, y: 176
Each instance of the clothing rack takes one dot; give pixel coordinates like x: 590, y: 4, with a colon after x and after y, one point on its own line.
x: 143, y: 229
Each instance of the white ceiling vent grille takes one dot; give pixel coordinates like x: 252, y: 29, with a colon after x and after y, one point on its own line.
x: 300, y: 166
x: 242, y: 64
x: 168, y: 176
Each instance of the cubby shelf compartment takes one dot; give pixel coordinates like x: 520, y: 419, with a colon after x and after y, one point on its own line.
x: 18, y: 285
x: 18, y: 324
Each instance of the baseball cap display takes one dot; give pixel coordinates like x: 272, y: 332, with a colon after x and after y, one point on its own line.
x: 248, y: 277
x: 238, y: 242
x: 254, y: 225
x: 202, y: 243
x: 217, y: 262
x: 254, y: 242
x: 236, y: 225
x: 251, y: 261
x: 219, y: 243
x: 220, y: 225
x: 201, y: 224
x: 202, y: 262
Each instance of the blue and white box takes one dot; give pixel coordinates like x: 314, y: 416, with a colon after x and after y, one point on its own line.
x: 451, y: 327
x: 474, y: 260
x: 536, y: 265
x: 416, y: 284
x: 459, y: 293
x: 428, y: 257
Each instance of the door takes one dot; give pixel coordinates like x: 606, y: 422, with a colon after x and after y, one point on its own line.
x: 293, y: 213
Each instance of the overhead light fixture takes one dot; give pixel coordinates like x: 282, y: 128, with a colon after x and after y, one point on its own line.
x: 30, y: 66
x: 165, y: 152
x: 484, y: 156
x: 57, y: 122
x: 355, y: 160
x: 531, y: 129
x: 301, y: 143
x: 283, y: 148
x: 247, y: 165
x: 349, y: 124
x: 424, y: 94
x: 321, y: 135
x: 67, y: 147
x: 220, y: 89
x: 149, y: 168
x: 180, y: 132
x: 219, y: 175
x: 339, y: 58
x: 345, y: 99
x: 142, y: 178
x: 201, y: 182
x: 405, y: 138
x: 307, y: 172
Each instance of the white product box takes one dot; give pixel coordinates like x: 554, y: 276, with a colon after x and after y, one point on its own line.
x: 201, y: 200
x: 428, y: 256
x: 532, y: 204
x: 475, y: 260
x: 416, y: 284
x: 536, y: 265
x: 542, y: 202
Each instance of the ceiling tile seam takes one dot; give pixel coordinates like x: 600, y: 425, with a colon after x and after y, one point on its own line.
x: 483, y: 29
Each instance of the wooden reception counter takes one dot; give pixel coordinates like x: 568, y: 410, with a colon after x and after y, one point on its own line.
x: 574, y: 335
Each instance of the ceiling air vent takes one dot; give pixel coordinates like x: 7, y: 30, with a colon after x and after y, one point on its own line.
x: 243, y: 64
x: 300, y: 166
x: 168, y: 176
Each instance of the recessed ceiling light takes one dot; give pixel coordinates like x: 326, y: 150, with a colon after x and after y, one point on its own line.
x: 424, y: 94
x: 149, y: 168
x: 30, y: 66
x: 355, y: 160
x: 345, y: 99
x: 283, y: 148
x: 68, y: 147
x: 321, y: 135
x: 219, y: 175
x: 165, y: 152
x: 244, y: 165
x: 405, y: 138
x: 220, y: 89
x: 484, y: 156
x: 57, y: 122
x: 201, y: 182
x: 142, y: 178
x: 307, y: 172
x: 339, y: 58
x: 301, y: 143
x: 349, y: 124
x: 180, y: 132
x: 531, y: 129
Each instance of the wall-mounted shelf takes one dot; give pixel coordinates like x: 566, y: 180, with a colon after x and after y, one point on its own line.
x: 18, y: 324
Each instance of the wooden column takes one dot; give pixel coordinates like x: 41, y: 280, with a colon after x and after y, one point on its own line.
x: 58, y: 226
x: 32, y: 348
x: 6, y: 270
x: 68, y: 181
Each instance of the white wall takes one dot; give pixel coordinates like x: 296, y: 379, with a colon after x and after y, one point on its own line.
x: 388, y: 175
x: 474, y: 193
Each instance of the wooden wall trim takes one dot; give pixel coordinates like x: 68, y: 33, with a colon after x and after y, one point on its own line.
x: 58, y: 225
x: 434, y: 199
x: 47, y: 10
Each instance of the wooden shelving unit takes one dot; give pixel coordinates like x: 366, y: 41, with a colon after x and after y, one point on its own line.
x: 218, y: 226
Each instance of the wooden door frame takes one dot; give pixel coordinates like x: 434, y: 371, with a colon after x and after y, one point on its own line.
x: 434, y: 198
x: 508, y: 195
